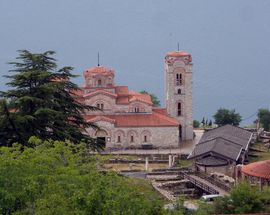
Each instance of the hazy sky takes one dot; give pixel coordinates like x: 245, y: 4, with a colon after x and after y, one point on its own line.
x: 229, y: 41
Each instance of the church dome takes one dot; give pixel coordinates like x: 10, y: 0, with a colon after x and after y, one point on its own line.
x: 99, y: 70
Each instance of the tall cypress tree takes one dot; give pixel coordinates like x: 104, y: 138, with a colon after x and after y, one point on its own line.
x: 42, y: 102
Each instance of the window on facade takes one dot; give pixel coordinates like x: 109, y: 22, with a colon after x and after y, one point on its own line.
x: 100, y: 106
x: 145, y: 138
x: 131, y: 138
x: 118, y: 139
x: 178, y: 79
x: 179, y: 109
x: 99, y: 82
x: 179, y: 91
x: 137, y: 110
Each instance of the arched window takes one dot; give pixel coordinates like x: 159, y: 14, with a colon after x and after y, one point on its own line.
x: 145, y: 139
x: 100, y: 106
x: 131, y: 138
x: 99, y: 83
x: 119, y: 139
x: 179, y: 91
x: 179, y: 109
x: 178, y: 79
x: 136, y: 109
x: 145, y: 136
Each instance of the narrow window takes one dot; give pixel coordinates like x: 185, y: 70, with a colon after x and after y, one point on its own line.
x: 98, y: 105
x: 131, y: 138
x: 118, y: 139
x: 137, y: 110
x: 179, y: 109
x: 178, y: 79
x: 101, y: 106
x: 179, y: 91
x: 145, y: 138
x: 99, y: 82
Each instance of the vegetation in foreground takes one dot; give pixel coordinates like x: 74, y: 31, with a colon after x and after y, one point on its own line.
x: 61, y: 178
x: 41, y: 101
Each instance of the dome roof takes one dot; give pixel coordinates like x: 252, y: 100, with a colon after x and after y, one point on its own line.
x: 260, y: 169
x: 99, y: 70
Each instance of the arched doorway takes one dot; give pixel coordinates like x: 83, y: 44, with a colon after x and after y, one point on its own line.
x: 101, y: 136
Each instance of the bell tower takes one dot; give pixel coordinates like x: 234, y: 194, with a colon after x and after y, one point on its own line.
x: 178, y: 91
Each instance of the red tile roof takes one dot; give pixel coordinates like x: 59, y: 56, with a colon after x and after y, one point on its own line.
x: 260, y: 169
x: 177, y: 54
x: 140, y: 120
x: 121, y: 90
x: 134, y: 96
x: 99, y: 69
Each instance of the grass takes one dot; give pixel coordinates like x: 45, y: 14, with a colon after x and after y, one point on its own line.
x: 265, y: 155
x: 134, y: 166
x: 184, y: 163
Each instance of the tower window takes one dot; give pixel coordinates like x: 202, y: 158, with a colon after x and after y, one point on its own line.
x: 136, y: 109
x: 131, y: 138
x: 179, y: 109
x: 179, y: 91
x: 178, y: 79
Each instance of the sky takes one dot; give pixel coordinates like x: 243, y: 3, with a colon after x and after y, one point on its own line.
x: 229, y: 42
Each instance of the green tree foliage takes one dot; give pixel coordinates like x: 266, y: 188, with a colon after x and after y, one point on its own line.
x: 210, y: 123
x: 41, y: 102
x: 61, y: 178
x: 154, y: 98
x: 196, y: 124
x: 243, y: 199
x: 224, y: 116
x: 264, y: 117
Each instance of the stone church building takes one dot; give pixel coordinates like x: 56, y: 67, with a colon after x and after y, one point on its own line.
x: 128, y: 119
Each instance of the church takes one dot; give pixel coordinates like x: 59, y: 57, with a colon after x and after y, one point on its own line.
x: 128, y: 119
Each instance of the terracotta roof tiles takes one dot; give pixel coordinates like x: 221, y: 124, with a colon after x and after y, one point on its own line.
x: 139, y: 120
x: 260, y: 169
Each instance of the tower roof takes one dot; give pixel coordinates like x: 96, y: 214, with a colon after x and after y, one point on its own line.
x: 178, y: 54
x: 99, y: 70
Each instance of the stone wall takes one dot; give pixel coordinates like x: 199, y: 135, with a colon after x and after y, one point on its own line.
x: 122, y: 136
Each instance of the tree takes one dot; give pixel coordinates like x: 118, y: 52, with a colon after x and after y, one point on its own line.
x: 264, y: 118
x: 196, y: 124
x: 203, y: 121
x: 210, y: 123
x: 154, y: 98
x: 243, y: 199
x: 224, y: 116
x: 42, y: 103
x: 61, y: 178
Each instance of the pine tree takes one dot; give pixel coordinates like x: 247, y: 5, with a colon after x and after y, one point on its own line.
x: 43, y: 102
x: 210, y: 123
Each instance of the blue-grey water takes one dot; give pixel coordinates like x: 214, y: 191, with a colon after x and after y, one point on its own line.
x: 229, y: 41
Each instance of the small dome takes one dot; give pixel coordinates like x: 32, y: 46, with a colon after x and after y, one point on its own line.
x: 260, y: 169
x: 99, y: 70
